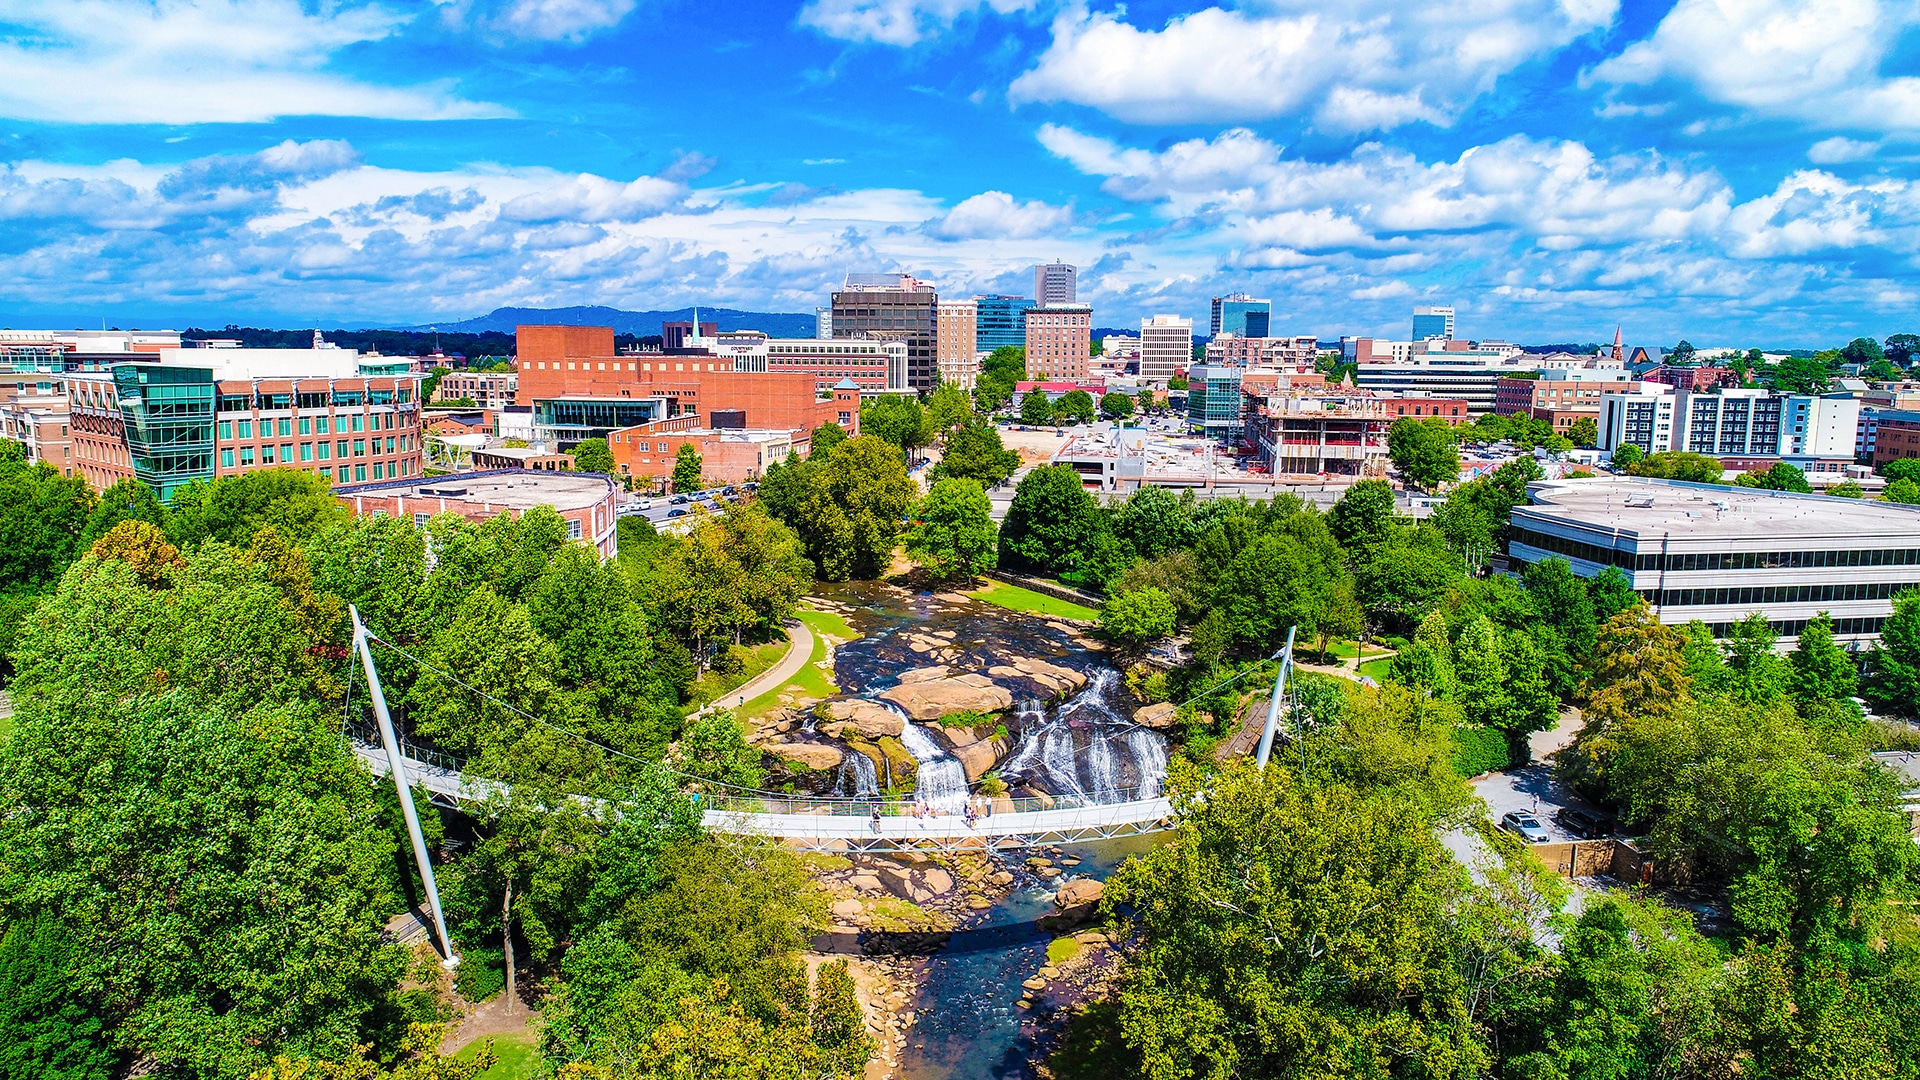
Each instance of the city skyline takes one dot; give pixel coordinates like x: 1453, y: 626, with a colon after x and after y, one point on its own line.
x: 1548, y: 170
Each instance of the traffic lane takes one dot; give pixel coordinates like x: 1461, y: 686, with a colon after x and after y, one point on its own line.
x: 1534, y: 790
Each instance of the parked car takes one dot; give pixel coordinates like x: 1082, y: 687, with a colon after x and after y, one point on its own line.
x: 1584, y: 824
x: 1528, y: 826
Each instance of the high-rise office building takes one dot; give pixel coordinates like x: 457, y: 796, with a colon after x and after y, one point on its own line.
x: 1053, y: 283
x: 1059, y: 340
x: 956, y: 346
x: 823, y: 323
x: 891, y: 307
x: 1242, y: 316
x: 1432, y: 322
x: 1000, y: 320
x: 1166, y: 343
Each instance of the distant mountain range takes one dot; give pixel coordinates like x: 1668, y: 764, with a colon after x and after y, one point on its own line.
x: 638, y: 323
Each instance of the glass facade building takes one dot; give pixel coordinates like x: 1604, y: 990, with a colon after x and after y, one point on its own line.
x: 568, y: 421
x: 1242, y: 316
x: 168, y: 412
x: 1213, y: 401
x: 1002, y: 320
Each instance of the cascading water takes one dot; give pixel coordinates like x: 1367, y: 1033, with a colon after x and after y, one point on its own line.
x: 942, y: 779
x: 1089, y: 750
x: 857, y: 775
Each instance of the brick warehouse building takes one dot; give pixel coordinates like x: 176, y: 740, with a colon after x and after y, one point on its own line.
x: 579, y: 388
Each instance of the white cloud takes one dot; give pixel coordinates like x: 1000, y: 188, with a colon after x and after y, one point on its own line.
x: 1813, y: 60
x: 596, y: 199
x: 895, y: 22
x: 508, y: 21
x: 1840, y: 149
x: 993, y: 214
x: 1376, y: 64
x: 201, y: 61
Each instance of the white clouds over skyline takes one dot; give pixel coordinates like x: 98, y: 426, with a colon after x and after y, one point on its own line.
x: 895, y: 22
x: 1352, y: 67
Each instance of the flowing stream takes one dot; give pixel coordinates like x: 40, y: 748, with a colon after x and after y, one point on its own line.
x: 942, y: 783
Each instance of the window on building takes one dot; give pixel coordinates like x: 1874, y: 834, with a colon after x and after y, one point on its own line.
x: 359, y: 448
x: 306, y: 451
x: 420, y: 520
x: 320, y: 425
x: 326, y: 451
x: 327, y: 471
x: 226, y: 429
x: 246, y: 455
x: 226, y: 459
x: 306, y: 425
x: 246, y: 429
x: 340, y: 448
x: 377, y: 471
x: 286, y: 426
x: 359, y: 422
x: 266, y: 454
x: 573, y: 529
x: 359, y: 472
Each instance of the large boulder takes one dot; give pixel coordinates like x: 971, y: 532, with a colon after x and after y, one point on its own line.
x: 1077, y: 892
x: 1156, y: 716
x: 817, y: 756
x: 1052, y: 679
x: 867, y: 719
x: 931, y: 699
x: 979, y: 758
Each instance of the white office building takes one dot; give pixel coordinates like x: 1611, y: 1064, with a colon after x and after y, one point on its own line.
x: 1166, y: 344
x: 1642, y: 418
x: 1719, y: 554
x: 1054, y: 283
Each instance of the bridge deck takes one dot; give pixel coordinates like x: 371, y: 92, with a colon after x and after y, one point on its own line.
x: 849, y: 827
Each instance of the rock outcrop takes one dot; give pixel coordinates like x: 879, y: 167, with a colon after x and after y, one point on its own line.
x: 858, y: 716
x: 1159, y: 717
x: 1077, y: 892
x: 980, y: 756
x: 816, y: 756
x: 1052, y: 679
x: 930, y: 698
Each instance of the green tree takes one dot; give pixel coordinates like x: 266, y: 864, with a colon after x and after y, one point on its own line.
x: 1779, y: 477
x: 1363, y: 514
x: 1905, y: 491
x: 1678, y: 465
x: 1823, y: 674
x: 686, y: 468
x: 1002, y: 369
x: 1221, y: 984
x: 1584, y: 432
x: 1626, y: 456
x: 1426, y: 663
x: 1050, y: 521
x: 1862, y: 351
x: 1532, y: 704
x: 1405, y: 573
x: 1155, y: 522
x: 1480, y: 675
x: 1138, y: 617
x: 1036, y: 408
x: 1117, y: 405
x: 949, y: 407
x: 1424, y: 452
x: 43, y: 517
x: 49, y: 1029
x: 953, y: 534
x: 715, y: 746
x: 231, y: 509
x: 1902, y: 348
x: 1682, y: 354
x: 1847, y: 489
x: 847, y: 508
x: 1801, y: 375
x: 593, y: 455
x: 1757, y: 674
x: 605, y: 651
x: 897, y: 418
x: 974, y: 451
x: 1076, y: 405
x: 825, y: 438
x: 126, y: 500
x: 1893, y: 667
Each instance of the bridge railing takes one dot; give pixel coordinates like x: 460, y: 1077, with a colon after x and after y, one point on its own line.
x: 906, y: 806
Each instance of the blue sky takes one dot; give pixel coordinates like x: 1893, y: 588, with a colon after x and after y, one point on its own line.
x: 1739, y: 172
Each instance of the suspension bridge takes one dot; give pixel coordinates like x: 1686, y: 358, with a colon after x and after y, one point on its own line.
x: 814, y: 824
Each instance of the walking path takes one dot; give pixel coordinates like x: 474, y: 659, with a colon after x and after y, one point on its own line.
x: 799, y: 651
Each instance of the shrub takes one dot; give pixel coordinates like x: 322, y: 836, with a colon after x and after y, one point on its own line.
x: 482, y: 974
x: 731, y: 660
x: 1479, y: 750
x: 992, y: 785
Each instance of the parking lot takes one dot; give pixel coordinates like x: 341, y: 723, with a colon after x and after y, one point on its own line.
x: 1532, y: 789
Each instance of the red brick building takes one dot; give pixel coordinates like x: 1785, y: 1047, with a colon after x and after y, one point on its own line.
x: 586, y: 500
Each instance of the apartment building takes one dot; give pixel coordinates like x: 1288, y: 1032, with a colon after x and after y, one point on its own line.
x: 487, y: 390
x: 194, y: 414
x: 1059, y: 341
x: 872, y: 365
x: 1166, y: 345
x: 1294, y: 354
x: 956, y: 342
x: 1718, y: 554
x: 891, y: 307
x: 1560, y: 396
x: 1472, y: 375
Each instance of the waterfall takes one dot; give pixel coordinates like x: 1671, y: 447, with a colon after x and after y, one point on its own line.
x: 1103, y: 768
x: 1149, y: 751
x: 943, y: 780
x: 1058, y: 759
x: 859, y: 774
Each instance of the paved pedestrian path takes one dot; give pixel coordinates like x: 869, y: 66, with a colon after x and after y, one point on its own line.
x: 799, y: 652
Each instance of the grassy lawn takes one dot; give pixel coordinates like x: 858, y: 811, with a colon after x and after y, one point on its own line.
x: 713, y: 686
x: 1344, y: 650
x: 1019, y: 599
x: 810, y: 681
x: 1376, y: 669
x: 518, y: 1059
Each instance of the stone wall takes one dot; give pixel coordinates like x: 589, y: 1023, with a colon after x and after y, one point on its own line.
x: 1047, y: 588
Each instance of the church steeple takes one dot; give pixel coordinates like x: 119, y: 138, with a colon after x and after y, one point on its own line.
x: 1619, y: 354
